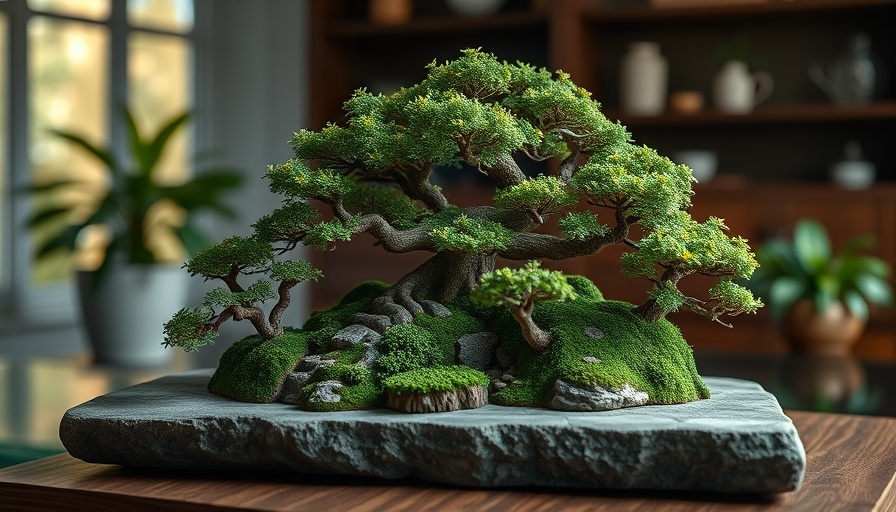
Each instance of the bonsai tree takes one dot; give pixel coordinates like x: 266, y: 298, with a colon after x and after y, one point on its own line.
x: 374, y: 176
x: 226, y: 261
x: 519, y: 290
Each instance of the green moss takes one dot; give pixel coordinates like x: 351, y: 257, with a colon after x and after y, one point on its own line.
x: 252, y: 369
x: 428, y: 380
x: 427, y: 342
x: 584, y: 288
x: 419, y: 356
x: 359, y: 391
x: 652, y: 357
x: 322, y: 325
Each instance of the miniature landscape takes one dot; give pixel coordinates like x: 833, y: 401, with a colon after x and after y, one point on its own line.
x: 457, y: 332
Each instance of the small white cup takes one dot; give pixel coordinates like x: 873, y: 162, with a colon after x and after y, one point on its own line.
x: 703, y: 163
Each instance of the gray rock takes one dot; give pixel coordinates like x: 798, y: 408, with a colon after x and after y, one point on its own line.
x: 435, y: 309
x: 370, y: 356
x: 571, y: 396
x: 593, y: 332
x: 311, y: 363
x: 590, y: 359
x: 378, y: 323
x: 292, y: 386
x: 505, y: 360
x: 476, y: 350
x: 737, y: 441
x: 325, y: 392
x: 352, y: 335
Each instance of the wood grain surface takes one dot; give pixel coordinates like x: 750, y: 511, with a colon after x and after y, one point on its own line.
x: 851, y: 467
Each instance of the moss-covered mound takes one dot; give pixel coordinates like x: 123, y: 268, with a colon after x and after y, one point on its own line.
x: 594, y: 343
x: 440, y: 378
x: 599, y: 343
x: 253, y: 369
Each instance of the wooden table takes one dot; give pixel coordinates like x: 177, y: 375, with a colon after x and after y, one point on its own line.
x: 851, y: 467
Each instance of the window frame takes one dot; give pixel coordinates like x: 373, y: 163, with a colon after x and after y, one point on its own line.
x: 23, y: 305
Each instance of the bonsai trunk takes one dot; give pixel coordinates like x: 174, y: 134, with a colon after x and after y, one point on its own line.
x: 537, y: 338
x: 440, y: 278
x: 650, y: 311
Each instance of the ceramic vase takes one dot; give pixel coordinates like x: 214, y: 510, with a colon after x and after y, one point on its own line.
x: 737, y: 91
x: 850, y: 77
x: 644, y: 76
x: 124, y: 312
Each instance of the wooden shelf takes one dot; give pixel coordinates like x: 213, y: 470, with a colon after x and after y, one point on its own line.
x: 598, y: 13
x: 435, y: 26
x: 884, y: 111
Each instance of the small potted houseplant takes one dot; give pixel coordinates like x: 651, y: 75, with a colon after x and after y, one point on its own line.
x: 823, y: 299
x: 126, y: 299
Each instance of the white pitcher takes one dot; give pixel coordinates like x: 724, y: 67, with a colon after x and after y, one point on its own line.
x: 737, y: 91
x: 643, y: 78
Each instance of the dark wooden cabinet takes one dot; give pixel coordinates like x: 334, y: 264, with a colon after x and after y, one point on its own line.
x: 773, y: 162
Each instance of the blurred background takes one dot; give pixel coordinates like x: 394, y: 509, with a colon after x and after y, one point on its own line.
x: 786, y: 110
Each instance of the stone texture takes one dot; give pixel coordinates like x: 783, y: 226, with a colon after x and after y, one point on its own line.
x: 594, y: 332
x: 352, y: 335
x: 476, y: 350
x: 570, y: 396
x: 738, y: 441
x: 378, y: 323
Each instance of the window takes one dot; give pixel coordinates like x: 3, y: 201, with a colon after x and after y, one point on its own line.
x: 71, y: 65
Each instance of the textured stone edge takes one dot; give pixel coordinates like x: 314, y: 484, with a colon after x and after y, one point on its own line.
x: 560, y: 449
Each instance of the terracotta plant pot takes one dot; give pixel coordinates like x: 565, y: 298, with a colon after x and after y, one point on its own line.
x: 830, y: 332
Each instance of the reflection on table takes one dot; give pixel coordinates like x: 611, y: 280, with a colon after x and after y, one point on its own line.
x: 814, y: 383
x: 36, y: 392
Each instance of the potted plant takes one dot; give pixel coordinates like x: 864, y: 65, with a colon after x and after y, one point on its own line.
x: 822, y: 298
x: 126, y: 299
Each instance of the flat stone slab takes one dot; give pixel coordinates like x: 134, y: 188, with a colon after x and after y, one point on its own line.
x: 737, y: 441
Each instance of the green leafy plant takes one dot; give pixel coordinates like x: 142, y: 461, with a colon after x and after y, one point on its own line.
x: 807, y: 268
x: 519, y: 290
x: 133, y: 190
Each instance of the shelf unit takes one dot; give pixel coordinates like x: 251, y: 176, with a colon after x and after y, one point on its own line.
x: 778, y: 153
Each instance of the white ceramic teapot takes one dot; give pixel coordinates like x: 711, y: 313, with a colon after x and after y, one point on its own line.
x: 737, y: 91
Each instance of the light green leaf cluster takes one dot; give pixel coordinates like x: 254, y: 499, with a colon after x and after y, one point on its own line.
x: 188, y: 329
x: 543, y: 195
x: 476, y: 74
x: 286, y: 223
x: 390, y: 203
x: 259, y: 291
x: 582, y: 225
x: 686, y: 244
x: 517, y: 287
x: 553, y: 103
x: 667, y: 297
x: 295, y: 270
x: 295, y: 179
x: 332, y: 143
x: 734, y: 297
x: 442, y: 123
x: 466, y: 234
x: 236, y: 252
x: 322, y: 234
x: 649, y: 186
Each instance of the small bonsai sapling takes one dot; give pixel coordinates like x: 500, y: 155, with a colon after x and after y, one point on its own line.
x: 226, y: 261
x: 519, y: 289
